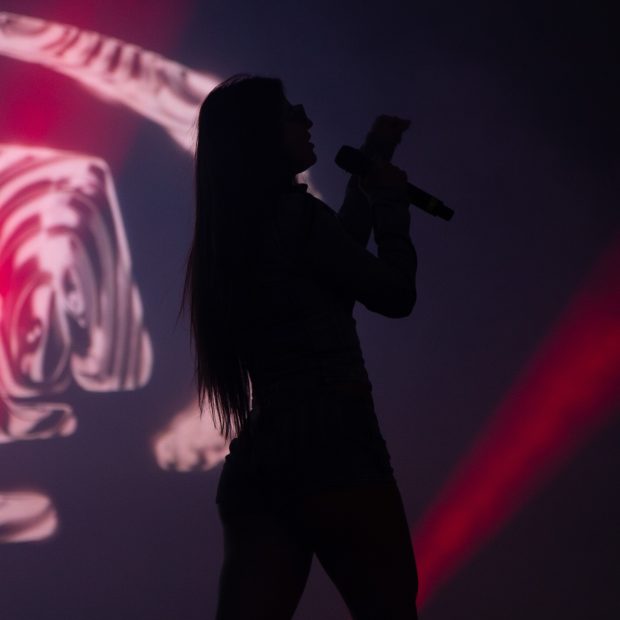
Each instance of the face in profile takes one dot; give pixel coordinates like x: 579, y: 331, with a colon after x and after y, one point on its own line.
x: 298, y: 150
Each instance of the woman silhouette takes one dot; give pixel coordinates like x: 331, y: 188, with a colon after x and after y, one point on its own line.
x: 272, y: 277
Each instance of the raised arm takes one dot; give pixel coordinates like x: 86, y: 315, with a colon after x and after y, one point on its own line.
x: 326, y: 252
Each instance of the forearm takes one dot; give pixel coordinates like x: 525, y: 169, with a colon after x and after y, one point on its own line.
x: 355, y: 214
x: 391, y: 221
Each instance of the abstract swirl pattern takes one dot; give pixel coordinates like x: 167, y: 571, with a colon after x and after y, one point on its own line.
x: 159, y: 89
x: 70, y: 312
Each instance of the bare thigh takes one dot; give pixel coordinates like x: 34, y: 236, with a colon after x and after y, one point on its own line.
x: 361, y: 538
x: 266, y: 567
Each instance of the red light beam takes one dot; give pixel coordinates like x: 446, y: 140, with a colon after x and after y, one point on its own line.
x: 568, y: 391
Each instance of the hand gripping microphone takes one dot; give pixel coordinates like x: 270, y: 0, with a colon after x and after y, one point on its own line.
x: 354, y: 161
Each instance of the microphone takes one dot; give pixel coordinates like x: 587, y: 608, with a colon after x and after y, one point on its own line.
x: 356, y: 162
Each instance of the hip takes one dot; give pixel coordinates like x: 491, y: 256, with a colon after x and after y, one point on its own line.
x: 296, y: 444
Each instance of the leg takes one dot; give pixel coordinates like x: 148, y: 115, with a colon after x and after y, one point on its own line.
x: 266, y: 566
x: 361, y: 537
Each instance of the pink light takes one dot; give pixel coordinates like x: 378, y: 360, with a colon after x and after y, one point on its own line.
x: 567, y: 393
x: 37, y: 113
x: 189, y: 442
x: 155, y: 87
x: 26, y: 516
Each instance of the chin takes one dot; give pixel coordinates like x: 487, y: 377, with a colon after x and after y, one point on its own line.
x: 308, y: 163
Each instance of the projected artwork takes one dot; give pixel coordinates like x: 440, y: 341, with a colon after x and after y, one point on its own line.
x: 190, y: 442
x: 26, y: 516
x: 76, y: 191
x: 118, y: 72
x: 70, y: 309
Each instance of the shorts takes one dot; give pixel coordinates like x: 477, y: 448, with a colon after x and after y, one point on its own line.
x: 299, y: 442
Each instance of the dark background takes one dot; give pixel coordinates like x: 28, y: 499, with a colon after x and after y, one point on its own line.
x: 514, y: 125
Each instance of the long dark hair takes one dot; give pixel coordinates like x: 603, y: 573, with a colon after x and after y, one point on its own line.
x: 239, y: 172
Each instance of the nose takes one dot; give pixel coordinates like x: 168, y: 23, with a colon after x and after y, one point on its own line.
x: 299, y: 113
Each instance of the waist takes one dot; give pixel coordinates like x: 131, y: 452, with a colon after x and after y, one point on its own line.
x: 301, y: 386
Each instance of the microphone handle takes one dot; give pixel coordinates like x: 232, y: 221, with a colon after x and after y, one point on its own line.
x: 428, y: 203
